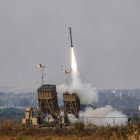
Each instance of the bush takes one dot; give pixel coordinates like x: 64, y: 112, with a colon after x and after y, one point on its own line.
x: 79, y: 126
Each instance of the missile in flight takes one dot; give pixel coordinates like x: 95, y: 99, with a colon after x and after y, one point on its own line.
x: 71, y: 38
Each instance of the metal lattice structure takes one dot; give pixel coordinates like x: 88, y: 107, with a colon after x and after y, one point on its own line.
x: 71, y: 104
x: 47, y: 99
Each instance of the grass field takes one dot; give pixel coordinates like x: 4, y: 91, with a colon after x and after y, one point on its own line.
x: 10, y: 130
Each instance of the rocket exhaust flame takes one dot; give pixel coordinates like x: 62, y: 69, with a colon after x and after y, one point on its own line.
x: 73, y: 61
x: 74, y: 67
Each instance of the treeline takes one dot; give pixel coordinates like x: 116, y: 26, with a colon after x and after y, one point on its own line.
x: 11, y: 112
x: 21, y: 99
x: 127, y: 100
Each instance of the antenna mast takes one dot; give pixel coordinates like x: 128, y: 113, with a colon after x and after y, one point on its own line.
x: 42, y: 67
x: 66, y: 72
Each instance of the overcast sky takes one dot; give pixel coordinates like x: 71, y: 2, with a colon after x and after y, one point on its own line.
x: 106, y: 37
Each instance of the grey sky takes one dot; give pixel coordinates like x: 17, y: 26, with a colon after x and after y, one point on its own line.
x: 106, y: 36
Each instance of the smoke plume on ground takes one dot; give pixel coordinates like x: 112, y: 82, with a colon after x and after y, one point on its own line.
x: 87, y: 93
x: 103, y: 116
x: 100, y: 117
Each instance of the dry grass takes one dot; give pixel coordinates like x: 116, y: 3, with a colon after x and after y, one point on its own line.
x: 12, y: 131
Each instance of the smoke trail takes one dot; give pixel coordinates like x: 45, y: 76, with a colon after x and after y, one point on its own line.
x: 76, y: 82
x: 74, y: 66
x: 86, y: 92
x: 88, y: 95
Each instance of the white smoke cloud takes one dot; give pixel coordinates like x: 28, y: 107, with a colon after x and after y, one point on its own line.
x: 72, y: 118
x: 103, y: 116
x: 100, y: 117
x: 87, y: 93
